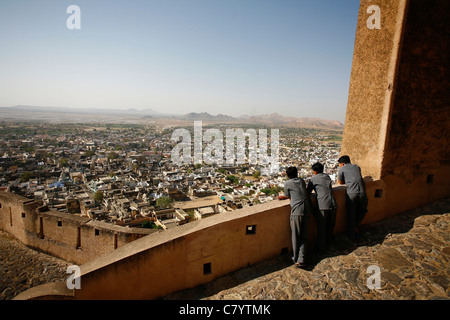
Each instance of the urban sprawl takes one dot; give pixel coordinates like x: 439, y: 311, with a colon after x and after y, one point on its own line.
x: 123, y: 173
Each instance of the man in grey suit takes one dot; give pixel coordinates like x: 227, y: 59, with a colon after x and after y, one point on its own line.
x: 356, y: 200
x: 325, y: 215
x: 301, y: 208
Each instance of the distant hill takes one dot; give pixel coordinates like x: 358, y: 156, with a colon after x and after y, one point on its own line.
x: 206, y: 116
x: 56, y: 114
x: 131, y: 111
x: 275, y: 118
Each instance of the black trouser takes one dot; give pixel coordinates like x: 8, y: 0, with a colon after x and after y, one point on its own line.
x: 356, y: 211
x: 326, y: 220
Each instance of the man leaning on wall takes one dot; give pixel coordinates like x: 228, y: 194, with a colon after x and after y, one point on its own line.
x: 356, y: 198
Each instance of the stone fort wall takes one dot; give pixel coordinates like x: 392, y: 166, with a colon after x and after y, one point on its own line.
x: 201, y: 251
x: 398, y: 116
x: 73, y: 238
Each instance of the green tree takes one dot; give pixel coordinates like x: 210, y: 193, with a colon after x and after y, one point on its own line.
x: 257, y: 174
x: 233, y: 179
x: 269, y: 191
x: 89, y: 153
x: 163, y: 202
x: 63, y: 162
x: 25, y: 176
x: 149, y: 225
x: 112, y: 156
x: 98, y: 196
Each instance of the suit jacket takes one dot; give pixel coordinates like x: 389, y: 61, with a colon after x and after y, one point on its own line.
x: 321, y: 183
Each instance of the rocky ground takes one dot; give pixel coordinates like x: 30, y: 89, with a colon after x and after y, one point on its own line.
x: 22, y: 268
x: 412, y: 252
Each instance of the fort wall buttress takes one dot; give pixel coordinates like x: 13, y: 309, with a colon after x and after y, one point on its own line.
x: 397, y: 126
x: 372, y: 83
x: 418, y: 139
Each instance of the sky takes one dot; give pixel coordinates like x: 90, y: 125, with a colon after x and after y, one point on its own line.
x: 234, y: 57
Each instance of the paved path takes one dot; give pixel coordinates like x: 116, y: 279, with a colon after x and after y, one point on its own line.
x: 22, y: 268
x: 412, y: 251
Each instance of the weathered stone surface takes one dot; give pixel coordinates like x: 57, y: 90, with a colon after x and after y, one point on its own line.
x: 391, y: 259
x: 22, y: 268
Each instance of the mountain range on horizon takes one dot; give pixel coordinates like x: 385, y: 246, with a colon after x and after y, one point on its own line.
x: 39, y: 112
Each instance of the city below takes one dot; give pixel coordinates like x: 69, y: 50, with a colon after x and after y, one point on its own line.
x: 122, y: 173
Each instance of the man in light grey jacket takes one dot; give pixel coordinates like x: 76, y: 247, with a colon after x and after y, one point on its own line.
x: 301, y: 208
x: 325, y: 215
x: 356, y: 200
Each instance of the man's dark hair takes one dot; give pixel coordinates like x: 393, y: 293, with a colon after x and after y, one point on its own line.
x: 344, y: 159
x: 292, y: 172
x: 317, y: 167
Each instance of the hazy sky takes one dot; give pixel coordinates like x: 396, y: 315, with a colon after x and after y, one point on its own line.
x: 176, y: 56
